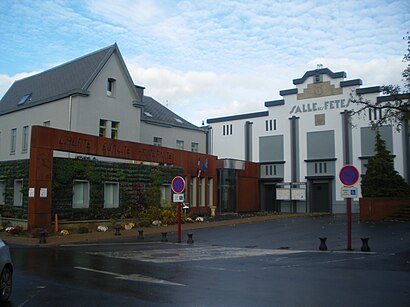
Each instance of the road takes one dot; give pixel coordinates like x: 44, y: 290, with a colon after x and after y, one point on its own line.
x: 274, y: 263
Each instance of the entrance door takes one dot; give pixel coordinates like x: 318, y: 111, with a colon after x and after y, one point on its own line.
x: 321, y: 197
x: 270, y: 197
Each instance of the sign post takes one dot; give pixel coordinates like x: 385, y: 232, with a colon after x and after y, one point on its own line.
x: 349, y: 175
x: 178, y: 186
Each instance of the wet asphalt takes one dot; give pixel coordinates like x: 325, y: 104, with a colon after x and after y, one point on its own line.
x: 275, y: 263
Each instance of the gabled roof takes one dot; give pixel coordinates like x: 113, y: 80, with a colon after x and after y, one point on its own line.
x: 155, y: 113
x: 72, y: 78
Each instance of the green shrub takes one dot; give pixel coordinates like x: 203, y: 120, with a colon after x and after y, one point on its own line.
x: 83, y: 230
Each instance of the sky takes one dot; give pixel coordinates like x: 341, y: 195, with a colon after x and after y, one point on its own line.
x: 207, y: 59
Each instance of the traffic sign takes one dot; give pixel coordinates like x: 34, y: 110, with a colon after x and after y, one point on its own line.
x: 178, y: 198
x: 348, y: 192
x: 178, y: 184
x: 349, y: 175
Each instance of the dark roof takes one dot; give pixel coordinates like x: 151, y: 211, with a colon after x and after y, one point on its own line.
x: 72, y: 78
x: 321, y: 71
x: 237, y: 117
x: 155, y: 113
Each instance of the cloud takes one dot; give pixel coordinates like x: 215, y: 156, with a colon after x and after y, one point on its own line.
x: 6, y: 81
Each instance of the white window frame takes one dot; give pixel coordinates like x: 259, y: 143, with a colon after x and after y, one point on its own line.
x: 102, y: 130
x: 210, y: 192
x: 18, y: 193
x: 180, y: 144
x: 24, y: 146
x: 111, y: 85
x: 195, y: 147
x: 114, y: 201
x: 165, y: 195
x: 13, y: 140
x: 157, y: 141
x: 202, y: 190
x: 85, y: 194
x: 115, y: 129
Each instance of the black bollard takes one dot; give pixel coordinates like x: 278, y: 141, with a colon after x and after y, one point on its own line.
x: 42, y: 237
x: 365, y: 244
x: 164, y: 237
x: 117, y: 230
x: 140, y: 234
x: 190, y: 240
x: 323, y: 246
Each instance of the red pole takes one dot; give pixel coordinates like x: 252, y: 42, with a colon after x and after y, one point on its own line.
x: 179, y: 222
x: 349, y: 223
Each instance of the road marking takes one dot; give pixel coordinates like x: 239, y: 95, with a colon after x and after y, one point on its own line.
x: 191, y: 254
x: 133, y: 277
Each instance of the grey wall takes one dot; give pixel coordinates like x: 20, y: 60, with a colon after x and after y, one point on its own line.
x: 271, y: 148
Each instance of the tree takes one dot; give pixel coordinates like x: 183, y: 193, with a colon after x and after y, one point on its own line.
x: 395, y: 107
x: 381, y: 179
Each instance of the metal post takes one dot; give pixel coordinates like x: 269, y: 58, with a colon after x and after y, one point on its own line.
x: 179, y: 222
x: 349, y: 223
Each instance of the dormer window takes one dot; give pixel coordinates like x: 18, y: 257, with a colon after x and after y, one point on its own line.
x: 111, y: 87
x: 24, y: 99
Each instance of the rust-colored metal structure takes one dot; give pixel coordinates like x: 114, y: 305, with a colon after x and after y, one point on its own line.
x: 45, y: 140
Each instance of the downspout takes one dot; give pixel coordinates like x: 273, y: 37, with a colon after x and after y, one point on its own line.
x: 70, y: 107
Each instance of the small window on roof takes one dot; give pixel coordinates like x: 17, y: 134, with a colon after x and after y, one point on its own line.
x: 148, y: 114
x: 179, y: 121
x: 24, y: 99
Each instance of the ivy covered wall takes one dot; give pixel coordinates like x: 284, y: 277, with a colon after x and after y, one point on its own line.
x: 9, y: 172
x: 133, y: 180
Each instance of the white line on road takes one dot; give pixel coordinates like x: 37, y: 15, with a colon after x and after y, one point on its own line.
x: 133, y: 277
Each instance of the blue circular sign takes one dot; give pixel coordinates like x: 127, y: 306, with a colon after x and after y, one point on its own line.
x: 178, y: 185
x: 349, y: 175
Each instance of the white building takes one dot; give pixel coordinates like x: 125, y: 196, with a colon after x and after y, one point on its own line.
x: 95, y: 95
x: 303, y: 140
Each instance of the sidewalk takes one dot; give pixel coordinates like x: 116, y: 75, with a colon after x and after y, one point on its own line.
x: 95, y: 236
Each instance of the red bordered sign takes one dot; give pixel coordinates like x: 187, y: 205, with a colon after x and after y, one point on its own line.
x: 349, y: 175
x: 178, y: 185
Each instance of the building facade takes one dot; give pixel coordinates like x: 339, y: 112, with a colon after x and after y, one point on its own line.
x: 95, y: 95
x: 302, y: 141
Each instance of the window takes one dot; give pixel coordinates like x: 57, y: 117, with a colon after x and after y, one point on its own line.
x: 165, y: 195
x: 25, y: 140
x: 375, y: 114
x: 111, y: 194
x: 321, y: 168
x: 202, y: 192
x: 18, y: 193
x: 318, y: 78
x: 193, y: 191
x: 210, y: 191
x: 2, y: 192
x: 13, y: 141
x: 46, y: 123
x: 103, y: 127
x: 194, y: 147
x: 180, y: 144
x: 115, y: 126
x: 81, y: 194
x: 111, y: 87
x: 157, y: 141
x: 270, y: 124
x: 24, y: 99
x: 227, y: 130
